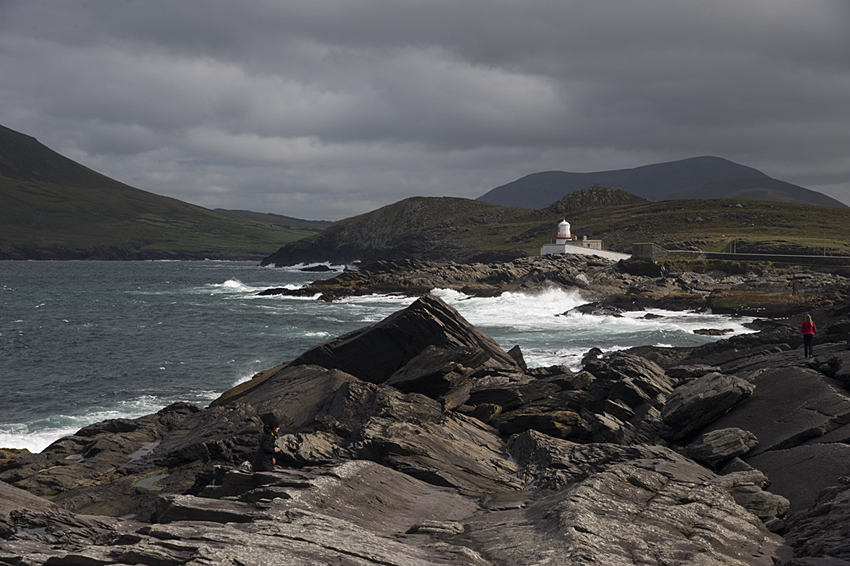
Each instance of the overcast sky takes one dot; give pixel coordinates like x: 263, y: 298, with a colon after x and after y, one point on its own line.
x: 323, y: 109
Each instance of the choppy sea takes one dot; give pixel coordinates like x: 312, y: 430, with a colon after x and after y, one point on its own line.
x: 82, y: 342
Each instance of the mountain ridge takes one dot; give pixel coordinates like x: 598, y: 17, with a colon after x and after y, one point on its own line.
x: 52, y: 207
x: 674, y: 180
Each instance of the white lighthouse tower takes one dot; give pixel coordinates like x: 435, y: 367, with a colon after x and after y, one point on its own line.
x: 563, y: 233
x: 566, y: 243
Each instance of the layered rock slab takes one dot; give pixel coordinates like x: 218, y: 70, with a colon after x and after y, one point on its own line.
x: 352, y: 513
x: 821, y: 534
x: 657, y: 510
x: 346, y: 417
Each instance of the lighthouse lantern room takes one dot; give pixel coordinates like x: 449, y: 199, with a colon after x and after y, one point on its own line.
x: 563, y: 233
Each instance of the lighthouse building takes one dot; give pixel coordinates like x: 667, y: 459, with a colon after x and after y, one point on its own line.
x: 567, y: 243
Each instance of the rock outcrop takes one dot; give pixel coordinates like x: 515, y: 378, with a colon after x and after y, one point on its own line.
x: 755, y: 289
x: 426, y: 228
x: 419, y: 440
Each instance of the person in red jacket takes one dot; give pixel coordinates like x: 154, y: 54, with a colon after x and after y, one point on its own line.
x: 808, y: 329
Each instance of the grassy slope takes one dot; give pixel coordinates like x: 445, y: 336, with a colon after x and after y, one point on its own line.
x: 710, y: 225
x: 49, y: 200
x: 464, y: 228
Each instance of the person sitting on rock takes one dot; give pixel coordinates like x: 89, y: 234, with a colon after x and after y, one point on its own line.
x: 808, y: 329
x: 264, y: 459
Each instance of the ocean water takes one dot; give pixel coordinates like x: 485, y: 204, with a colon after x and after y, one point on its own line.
x: 81, y: 342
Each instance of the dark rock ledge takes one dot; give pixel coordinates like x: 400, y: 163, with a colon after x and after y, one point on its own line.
x: 420, y: 441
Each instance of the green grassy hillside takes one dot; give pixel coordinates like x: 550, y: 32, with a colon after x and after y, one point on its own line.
x: 464, y: 230
x: 708, y: 225
x: 50, y: 202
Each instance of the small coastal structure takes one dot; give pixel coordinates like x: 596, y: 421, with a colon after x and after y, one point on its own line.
x: 567, y: 243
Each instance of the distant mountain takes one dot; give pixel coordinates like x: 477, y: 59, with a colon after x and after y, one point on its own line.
x: 694, y: 178
x: 754, y: 189
x: 54, y: 208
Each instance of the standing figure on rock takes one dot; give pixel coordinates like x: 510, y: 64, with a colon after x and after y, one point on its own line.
x: 808, y: 329
x: 264, y: 460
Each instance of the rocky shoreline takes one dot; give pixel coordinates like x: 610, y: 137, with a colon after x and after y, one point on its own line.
x: 419, y: 440
x: 752, y: 289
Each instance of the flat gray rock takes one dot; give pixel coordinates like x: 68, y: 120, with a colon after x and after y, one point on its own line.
x: 789, y: 406
x: 800, y: 473
x: 645, y: 511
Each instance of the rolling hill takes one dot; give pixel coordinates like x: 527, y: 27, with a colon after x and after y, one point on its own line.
x: 446, y: 228
x: 694, y: 178
x: 54, y: 208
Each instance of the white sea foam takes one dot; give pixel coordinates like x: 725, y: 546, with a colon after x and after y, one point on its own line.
x: 33, y: 439
x: 548, y: 334
x: 231, y: 286
x: 36, y: 436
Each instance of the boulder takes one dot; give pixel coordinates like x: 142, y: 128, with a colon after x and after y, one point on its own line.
x: 516, y: 354
x: 625, y: 399
x: 400, y: 338
x: 748, y: 490
x: 839, y: 367
x: 629, y: 378
x: 721, y: 444
x: 335, y: 415
x: 696, y: 404
x: 436, y: 371
x: 510, y: 393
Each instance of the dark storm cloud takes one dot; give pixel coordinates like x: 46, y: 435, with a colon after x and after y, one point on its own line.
x: 325, y: 109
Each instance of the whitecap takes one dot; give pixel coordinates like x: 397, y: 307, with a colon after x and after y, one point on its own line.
x: 38, y: 435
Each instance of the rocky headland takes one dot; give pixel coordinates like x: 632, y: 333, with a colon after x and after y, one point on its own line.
x: 419, y: 440
x: 758, y: 289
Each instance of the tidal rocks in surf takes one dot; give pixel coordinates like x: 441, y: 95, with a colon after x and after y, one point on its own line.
x: 714, y: 331
x: 318, y: 268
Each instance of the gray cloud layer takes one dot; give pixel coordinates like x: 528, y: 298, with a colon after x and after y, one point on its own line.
x: 326, y: 109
